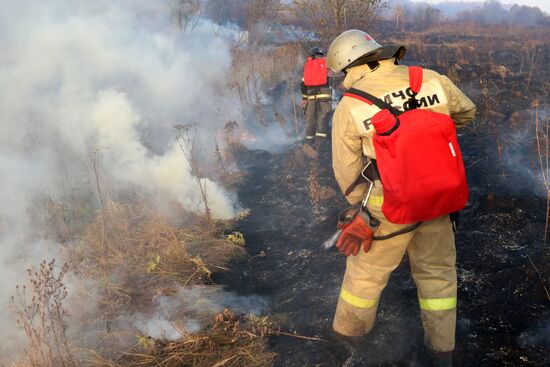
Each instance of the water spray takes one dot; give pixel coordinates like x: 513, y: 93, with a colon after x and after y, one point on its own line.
x: 332, y: 240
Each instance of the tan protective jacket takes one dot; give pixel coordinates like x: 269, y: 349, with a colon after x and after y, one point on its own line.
x: 351, y: 129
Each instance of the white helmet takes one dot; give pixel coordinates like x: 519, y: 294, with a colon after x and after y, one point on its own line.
x: 353, y: 45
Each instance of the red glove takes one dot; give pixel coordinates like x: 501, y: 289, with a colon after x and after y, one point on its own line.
x: 355, y: 233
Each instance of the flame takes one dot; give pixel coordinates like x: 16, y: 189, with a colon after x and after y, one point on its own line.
x: 246, y: 136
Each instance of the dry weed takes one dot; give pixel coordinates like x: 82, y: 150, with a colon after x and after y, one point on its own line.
x: 40, y: 313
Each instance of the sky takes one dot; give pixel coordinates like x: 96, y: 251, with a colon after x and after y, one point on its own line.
x: 544, y: 5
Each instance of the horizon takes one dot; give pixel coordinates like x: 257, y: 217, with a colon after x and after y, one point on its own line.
x: 544, y: 5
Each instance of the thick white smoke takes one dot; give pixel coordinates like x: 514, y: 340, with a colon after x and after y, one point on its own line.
x: 197, y: 300
x: 74, y: 82
x: 116, y: 77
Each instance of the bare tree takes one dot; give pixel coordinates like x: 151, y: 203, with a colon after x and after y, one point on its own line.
x: 328, y: 18
x: 188, y: 14
x: 426, y: 17
x: 254, y: 17
x: 259, y: 14
x: 399, y: 12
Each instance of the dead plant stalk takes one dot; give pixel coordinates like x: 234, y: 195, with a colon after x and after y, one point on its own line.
x: 188, y: 149
x: 540, y: 277
x: 543, y: 162
x: 95, y: 163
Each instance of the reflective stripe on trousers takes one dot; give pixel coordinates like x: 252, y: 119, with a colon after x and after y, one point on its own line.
x: 437, y: 304
x: 320, y: 96
x: 427, y: 304
x: 356, y: 301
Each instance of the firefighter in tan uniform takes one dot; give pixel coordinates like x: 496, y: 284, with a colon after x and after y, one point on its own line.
x: 374, y: 69
x: 316, y: 98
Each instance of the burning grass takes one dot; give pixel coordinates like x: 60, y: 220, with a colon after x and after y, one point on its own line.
x: 135, y: 254
x: 230, y: 341
x: 141, y: 284
x: 133, y: 259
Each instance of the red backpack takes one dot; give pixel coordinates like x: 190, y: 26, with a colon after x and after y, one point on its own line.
x: 418, y: 158
x: 315, y: 72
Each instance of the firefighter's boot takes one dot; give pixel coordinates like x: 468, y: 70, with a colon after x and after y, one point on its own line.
x: 442, y: 359
x: 351, y: 342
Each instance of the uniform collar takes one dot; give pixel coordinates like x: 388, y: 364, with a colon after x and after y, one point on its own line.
x: 363, y: 71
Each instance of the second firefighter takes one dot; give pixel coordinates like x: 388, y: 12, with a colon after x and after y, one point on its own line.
x: 316, y: 96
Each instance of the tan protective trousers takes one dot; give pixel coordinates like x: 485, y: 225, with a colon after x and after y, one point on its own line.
x: 317, y: 117
x: 432, y: 256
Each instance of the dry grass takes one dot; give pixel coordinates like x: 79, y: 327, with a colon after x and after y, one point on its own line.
x: 229, y: 341
x: 543, y: 145
x: 257, y: 71
x: 135, y: 254
x: 125, y: 258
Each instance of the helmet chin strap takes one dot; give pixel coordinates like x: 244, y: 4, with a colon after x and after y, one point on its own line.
x: 373, y: 65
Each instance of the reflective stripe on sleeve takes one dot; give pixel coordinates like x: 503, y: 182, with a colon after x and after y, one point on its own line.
x: 356, y: 301
x: 376, y: 200
x: 437, y: 304
x: 323, y: 135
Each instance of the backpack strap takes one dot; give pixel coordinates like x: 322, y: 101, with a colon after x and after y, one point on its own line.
x: 415, y: 83
x: 415, y: 78
x: 371, y: 100
x: 398, y: 232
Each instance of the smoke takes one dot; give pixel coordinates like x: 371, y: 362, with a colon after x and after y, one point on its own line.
x: 201, y: 299
x: 536, y: 337
x: 493, y: 12
x: 100, y: 79
x: 526, y: 12
x: 113, y: 77
x: 523, y: 157
x: 198, y: 302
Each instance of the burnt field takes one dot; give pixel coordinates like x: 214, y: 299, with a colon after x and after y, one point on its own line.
x: 502, y: 243
x: 160, y: 208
